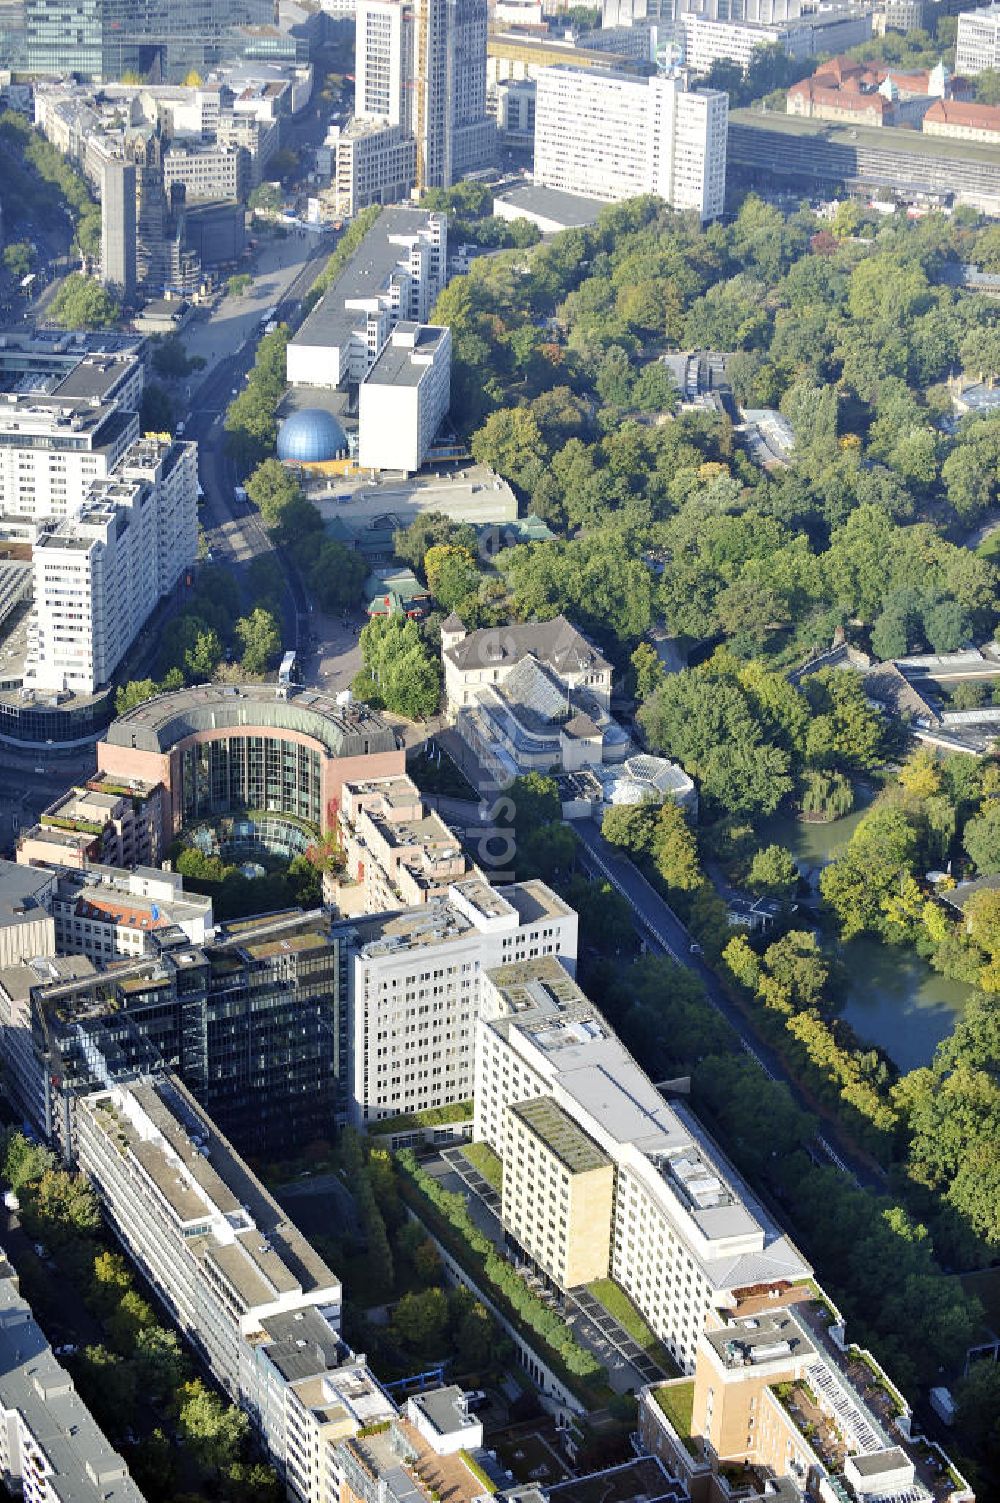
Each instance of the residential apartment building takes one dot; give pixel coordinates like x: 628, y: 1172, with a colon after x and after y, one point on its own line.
x: 51, y: 1447
x: 53, y: 448
x: 705, y: 40
x: 404, y: 398
x: 682, y: 1231
x: 604, y: 135
x: 100, y: 573
x: 235, y: 1274
x: 978, y: 43
x: 395, y: 275
x: 397, y: 853
x: 416, y: 984
x: 780, y: 1393
x: 100, y: 823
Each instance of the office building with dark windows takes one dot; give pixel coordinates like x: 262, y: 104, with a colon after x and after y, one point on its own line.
x: 253, y: 1021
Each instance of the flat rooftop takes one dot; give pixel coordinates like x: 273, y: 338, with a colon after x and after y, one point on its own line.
x: 85, y: 1468
x: 159, y: 723
x: 886, y: 138
x: 406, y: 355
x: 557, y: 1131
x: 196, y: 1169
x: 569, y: 210
x: 366, y: 274
x: 23, y: 890
x: 758, y: 1340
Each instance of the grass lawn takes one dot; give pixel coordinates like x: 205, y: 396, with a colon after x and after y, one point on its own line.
x: 617, y: 1303
x: 482, y: 1157
x: 677, y: 1402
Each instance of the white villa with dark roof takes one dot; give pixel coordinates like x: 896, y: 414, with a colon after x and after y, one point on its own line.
x: 536, y: 698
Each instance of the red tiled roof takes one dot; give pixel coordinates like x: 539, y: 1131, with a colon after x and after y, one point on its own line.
x: 110, y: 912
x: 957, y: 112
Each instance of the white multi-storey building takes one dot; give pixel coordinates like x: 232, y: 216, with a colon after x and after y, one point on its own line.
x: 100, y: 573
x: 685, y: 1232
x: 415, y: 988
x: 51, y: 1447
x: 606, y: 135
x: 53, y: 448
x: 395, y: 274
x: 978, y: 45
x: 404, y: 398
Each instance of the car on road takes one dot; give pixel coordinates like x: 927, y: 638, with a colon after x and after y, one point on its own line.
x: 68, y: 1349
x: 695, y: 948
x: 39, y: 769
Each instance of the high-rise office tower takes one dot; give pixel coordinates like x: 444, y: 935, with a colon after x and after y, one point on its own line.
x: 118, y: 249
x: 162, y: 39
x: 421, y: 66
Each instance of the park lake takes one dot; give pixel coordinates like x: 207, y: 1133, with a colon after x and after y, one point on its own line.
x: 894, y: 998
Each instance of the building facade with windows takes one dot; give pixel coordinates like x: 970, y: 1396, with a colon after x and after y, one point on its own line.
x: 681, y: 1231
x: 605, y: 135
x: 978, y: 43
x: 254, y: 1022
x: 53, y: 448
x: 416, y: 983
x: 100, y: 573
x: 219, y: 749
x: 51, y: 1447
x: 404, y: 398
x: 395, y: 275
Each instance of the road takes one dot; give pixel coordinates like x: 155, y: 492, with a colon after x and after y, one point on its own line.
x: 233, y: 531
x: 668, y: 934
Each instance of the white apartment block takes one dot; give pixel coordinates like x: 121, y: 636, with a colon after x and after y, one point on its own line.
x: 607, y: 135
x: 685, y: 1232
x: 51, y: 1447
x: 99, y: 574
x: 53, y: 448
x: 978, y: 45
x: 395, y: 274
x: 383, y: 33
x: 404, y: 398
x: 415, y: 989
x: 240, y: 1281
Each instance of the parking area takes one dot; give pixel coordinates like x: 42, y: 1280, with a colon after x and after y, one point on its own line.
x: 472, y: 1179
x: 590, y: 1321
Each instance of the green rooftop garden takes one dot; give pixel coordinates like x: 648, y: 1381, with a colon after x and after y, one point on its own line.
x: 482, y: 1157
x: 677, y: 1402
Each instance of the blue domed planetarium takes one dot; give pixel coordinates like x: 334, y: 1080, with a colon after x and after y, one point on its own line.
x: 311, y: 436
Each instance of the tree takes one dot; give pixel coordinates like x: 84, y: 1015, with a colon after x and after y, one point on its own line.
x: 675, y: 850
x: 261, y: 639
x: 23, y: 1163
x: 134, y: 693
x: 336, y: 576
x: 272, y: 489
x: 649, y: 671
x: 773, y: 872
x: 399, y: 667
x: 202, y: 658
x: 19, y: 258
x: 160, y: 1362
x: 83, y: 304
x: 420, y: 1321
x: 214, y: 1431
x: 981, y: 838
x: 510, y: 442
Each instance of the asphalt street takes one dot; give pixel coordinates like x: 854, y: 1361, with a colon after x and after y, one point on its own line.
x: 665, y: 931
